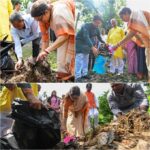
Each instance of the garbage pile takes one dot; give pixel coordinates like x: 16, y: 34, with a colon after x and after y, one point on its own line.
x: 38, y: 72
x: 131, y: 132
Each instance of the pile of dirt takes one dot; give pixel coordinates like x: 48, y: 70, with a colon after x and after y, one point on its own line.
x: 131, y: 132
x: 39, y: 72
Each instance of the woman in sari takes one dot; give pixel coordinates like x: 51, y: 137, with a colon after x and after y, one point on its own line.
x: 131, y: 57
x: 58, y: 16
x: 139, y: 26
x: 75, y: 115
x: 54, y: 101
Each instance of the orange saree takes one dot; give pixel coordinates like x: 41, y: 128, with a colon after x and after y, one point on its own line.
x: 62, y: 23
x: 76, y: 113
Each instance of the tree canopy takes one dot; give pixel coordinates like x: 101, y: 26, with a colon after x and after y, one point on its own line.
x: 108, y: 9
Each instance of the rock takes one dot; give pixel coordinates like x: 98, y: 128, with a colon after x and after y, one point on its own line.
x: 93, y: 147
x: 105, y: 138
x: 142, y: 145
x: 91, y: 142
x: 129, y: 143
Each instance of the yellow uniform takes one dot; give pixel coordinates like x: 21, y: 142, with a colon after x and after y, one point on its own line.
x: 6, y: 9
x: 115, y: 35
x: 6, y: 96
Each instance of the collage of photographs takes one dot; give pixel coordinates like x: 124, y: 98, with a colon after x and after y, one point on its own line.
x: 75, y: 74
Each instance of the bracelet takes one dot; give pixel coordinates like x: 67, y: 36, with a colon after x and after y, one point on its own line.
x: 46, y: 51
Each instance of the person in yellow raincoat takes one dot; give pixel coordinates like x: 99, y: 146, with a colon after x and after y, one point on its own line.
x: 115, y: 35
x: 9, y: 92
x: 6, y: 9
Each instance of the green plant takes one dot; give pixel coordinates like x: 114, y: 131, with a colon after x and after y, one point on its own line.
x: 105, y: 114
x: 108, y: 9
x: 24, y: 2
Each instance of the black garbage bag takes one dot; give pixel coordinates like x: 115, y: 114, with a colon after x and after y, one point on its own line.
x: 35, y: 129
x: 8, y: 142
x: 6, y: 63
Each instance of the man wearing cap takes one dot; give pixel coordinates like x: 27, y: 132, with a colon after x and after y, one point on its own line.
x: 125, y: 97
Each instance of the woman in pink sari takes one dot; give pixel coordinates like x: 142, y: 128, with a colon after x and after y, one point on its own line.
x: 131, y: 57
x: 54, y: 101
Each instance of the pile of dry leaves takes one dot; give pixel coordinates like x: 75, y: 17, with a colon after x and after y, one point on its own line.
x: 131, y: 132
x: 39, y: 72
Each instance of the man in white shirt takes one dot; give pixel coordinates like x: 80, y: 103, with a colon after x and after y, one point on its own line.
x: 24, y: 30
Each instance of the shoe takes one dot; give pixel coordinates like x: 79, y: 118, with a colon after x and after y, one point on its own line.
x: 86, y: 77
x: 119, y: 74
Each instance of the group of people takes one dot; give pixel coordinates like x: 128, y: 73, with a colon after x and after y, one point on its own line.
x: 72, y: 107
x: 43, y: 18
x: 131, y: 43
x: 78, y: 111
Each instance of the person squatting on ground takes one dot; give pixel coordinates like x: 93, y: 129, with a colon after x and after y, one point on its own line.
x: 125, y: 97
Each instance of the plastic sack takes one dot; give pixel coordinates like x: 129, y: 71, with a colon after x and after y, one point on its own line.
x: 111, y: 49
x: 6, y: 63
x: 8, y: 142
x: 69, y: 139
x: 99, y: 65
x: 35, y: 129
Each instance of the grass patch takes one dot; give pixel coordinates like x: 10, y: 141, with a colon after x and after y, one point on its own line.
x: 27, y: 52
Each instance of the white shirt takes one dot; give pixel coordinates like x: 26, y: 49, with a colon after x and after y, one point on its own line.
x: 28, y: 34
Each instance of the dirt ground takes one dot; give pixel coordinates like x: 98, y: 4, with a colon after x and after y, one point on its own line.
x: 41, y: 72
x: 132, y: 132
x: 108, y: 77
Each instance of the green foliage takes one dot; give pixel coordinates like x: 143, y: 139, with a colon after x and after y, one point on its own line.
x: 24, y: 2
x: 27, y: 52
x: 105, y: 114
x: 108, y: 9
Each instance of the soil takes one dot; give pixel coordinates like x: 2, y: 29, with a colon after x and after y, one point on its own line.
x: 131, y: 132
x: 39, y: 72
